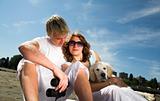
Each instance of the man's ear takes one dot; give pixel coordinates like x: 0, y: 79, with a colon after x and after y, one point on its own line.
x: 92, y: 74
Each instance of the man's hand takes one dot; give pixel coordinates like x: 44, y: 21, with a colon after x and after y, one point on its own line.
x: 64, y: 67
x: 63, y: 79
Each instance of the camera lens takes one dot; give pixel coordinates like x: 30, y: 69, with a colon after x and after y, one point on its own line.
x: 51, y: 92
x: 55, y: 82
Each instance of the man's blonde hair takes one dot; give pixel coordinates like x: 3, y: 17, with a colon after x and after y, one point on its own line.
x: 56, y: 24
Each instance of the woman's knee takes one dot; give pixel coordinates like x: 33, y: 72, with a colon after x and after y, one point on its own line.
x: 83, y: 72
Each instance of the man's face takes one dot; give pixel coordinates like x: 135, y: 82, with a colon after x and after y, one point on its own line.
x: 58, y: 39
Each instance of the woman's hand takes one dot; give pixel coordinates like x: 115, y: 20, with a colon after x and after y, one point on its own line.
x: 117, y: 81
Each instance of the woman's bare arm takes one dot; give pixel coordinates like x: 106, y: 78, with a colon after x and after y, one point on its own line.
x: 99, y: 85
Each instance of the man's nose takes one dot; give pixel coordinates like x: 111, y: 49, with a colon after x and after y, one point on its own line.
x: 63, y: 40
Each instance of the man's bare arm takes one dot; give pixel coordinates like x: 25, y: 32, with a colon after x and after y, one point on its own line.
x: 30, y: 51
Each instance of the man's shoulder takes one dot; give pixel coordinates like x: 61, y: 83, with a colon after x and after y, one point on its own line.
x: 40, y: 39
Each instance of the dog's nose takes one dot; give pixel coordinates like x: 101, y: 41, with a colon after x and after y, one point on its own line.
x: 103, y: 74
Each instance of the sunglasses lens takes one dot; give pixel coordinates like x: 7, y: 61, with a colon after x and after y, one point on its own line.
x: 80, y: 44
x: 73, y: 43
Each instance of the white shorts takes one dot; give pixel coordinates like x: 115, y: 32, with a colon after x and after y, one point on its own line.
x: 45, y: 75
x: 115, y: 93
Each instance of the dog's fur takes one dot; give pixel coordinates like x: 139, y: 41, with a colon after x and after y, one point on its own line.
x: 100, y: 71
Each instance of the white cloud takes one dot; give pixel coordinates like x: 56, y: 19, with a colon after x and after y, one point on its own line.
x: 141, y: 60
x: 98, y: 33
x: 5, y: 25
x: 34, y: 2
x: 143, y: 37
x: 86, y: 8
x: 107, y: 43
x: 139, y: 14
x: 108, y: 48
x: 88, y: 5
x: 22, y: 23
x: 98, y: 43
x: 139, y: 37
x: 155, y: 70
x: 153, y: 67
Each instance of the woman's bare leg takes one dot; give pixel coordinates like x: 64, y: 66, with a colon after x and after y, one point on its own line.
x: 82, y: 87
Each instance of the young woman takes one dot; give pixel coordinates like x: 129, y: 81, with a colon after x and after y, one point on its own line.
x: 77, y: 49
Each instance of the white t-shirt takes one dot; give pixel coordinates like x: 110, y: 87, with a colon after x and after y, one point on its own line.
x: 55, y: 55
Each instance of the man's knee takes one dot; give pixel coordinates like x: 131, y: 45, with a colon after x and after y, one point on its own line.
x: 28, y: 69
x: 28, y: 75
x: 29, y: 81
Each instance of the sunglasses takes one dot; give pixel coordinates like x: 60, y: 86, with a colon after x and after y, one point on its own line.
x: 73, y: 43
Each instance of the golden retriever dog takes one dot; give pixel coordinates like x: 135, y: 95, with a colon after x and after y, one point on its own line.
x: 100, y: 71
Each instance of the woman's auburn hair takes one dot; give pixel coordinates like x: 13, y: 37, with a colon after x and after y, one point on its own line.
x: 86, y: 48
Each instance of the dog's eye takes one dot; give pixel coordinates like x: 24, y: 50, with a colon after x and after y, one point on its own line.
x: 104, y: 68
x: 97, y: 69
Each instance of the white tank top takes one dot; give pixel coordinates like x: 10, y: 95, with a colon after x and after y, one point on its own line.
x: 55, y: 55
x: 52, y: 52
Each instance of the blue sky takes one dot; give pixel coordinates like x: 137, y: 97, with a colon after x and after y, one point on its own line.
x: 126, y: 33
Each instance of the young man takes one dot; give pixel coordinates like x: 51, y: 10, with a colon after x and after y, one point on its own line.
x: 42, y: 61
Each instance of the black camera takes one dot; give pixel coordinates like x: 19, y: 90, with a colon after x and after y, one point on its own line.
x: 51, y: 92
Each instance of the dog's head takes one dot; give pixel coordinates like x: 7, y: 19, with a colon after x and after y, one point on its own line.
x: 100, y: 71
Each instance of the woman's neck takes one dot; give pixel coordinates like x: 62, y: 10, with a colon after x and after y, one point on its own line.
x: 77, y: 58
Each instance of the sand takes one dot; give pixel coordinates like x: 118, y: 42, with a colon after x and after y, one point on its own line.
x: 10, y: 89
x: 9, y: 86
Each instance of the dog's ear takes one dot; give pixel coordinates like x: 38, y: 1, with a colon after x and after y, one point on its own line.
x: 92, y: 74
x: 109, y: 71
x: 96, y: 56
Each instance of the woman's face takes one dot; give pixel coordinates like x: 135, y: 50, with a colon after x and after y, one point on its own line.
x: 75, y: 46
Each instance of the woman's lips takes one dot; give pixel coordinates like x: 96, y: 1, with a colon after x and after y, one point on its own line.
x: 75, y: 49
